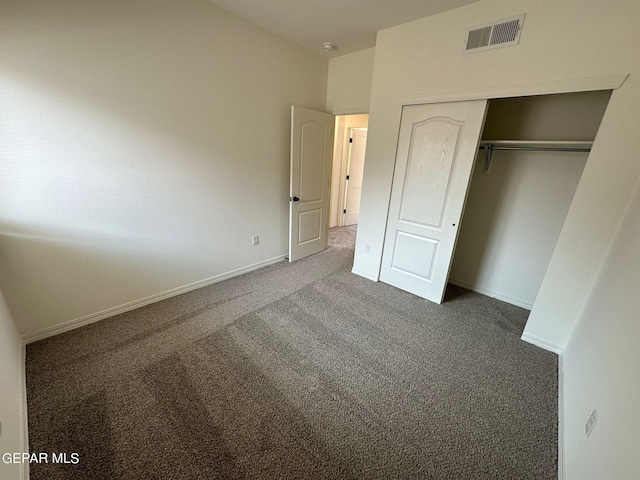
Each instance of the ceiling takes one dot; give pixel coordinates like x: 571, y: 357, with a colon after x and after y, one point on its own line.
x: 350, y: 24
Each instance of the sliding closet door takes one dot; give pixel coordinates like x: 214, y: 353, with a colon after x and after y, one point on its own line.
x: 436, y: 151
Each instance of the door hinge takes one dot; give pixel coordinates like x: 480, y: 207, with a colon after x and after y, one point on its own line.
x: 347, y: 177
x: 351, y: 140
x: 344, y: 211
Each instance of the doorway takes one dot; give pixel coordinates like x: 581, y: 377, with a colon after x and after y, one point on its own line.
x: 347, y: 171
x: 518, y: 201
x: 516, y: 207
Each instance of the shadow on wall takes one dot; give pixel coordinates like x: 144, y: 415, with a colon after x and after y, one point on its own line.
x: 96, y: 211
x: 62, y: 276
x: 480, y: 218
x: 142, y: 141
x: 512, y: 220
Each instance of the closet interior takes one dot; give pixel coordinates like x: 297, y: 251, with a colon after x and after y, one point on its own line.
x: 532, y: 154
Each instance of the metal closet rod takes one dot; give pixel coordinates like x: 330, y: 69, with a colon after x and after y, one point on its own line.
x: 490, y: 147
x: 536, y: 149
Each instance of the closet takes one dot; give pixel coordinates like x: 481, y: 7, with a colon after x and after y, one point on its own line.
x: 532, y: 154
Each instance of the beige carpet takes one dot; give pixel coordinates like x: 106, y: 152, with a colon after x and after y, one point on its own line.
x: 298, y: 371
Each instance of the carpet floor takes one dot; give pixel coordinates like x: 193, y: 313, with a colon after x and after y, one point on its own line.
x: 297, y: 371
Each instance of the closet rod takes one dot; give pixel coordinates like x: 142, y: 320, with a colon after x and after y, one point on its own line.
x: 489, y: 147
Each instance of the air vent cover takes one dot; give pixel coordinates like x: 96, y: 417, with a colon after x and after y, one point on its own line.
x: 493, y: 35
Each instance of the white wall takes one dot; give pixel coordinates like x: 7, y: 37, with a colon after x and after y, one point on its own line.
x: 12, y: 435
x: 512, y: 221
x: 348, y: 92
x: 600, y: 366
x: 143, y: 143
x: 560, y: 41
x: 349, y: 83
x: 514, y: 214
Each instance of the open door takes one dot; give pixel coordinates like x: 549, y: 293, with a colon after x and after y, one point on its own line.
x: 437, y: 147
x: 310, y: 180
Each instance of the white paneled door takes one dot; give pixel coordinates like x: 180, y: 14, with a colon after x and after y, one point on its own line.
x: 436, y: 152
x: 310, y: 178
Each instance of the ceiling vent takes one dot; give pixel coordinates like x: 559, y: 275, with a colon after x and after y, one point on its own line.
x: 494, y: 35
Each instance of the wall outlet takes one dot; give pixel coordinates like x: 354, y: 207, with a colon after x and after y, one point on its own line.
x: 255, y: 240
x: 367, y: 247
x: 591, y: 423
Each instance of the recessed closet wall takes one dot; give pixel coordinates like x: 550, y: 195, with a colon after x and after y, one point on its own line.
x: 515, y: 211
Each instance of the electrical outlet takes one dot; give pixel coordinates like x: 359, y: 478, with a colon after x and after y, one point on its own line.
x: 255, y: 240
x: 591, y: 423
x: 367, y: 247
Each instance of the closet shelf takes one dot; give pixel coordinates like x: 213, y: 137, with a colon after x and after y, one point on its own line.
x: 532, y: 146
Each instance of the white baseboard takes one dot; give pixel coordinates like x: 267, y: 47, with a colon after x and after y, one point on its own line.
x: 542, y: 343
x: 489, y: 293
x: 561, y: 436
x: 24, y: 433
x: 366, y: 275
x: 110, y: 312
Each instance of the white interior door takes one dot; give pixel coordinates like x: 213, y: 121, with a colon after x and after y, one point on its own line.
x: 355, y: 172
x: 437, y: 147
x: 310, y: 178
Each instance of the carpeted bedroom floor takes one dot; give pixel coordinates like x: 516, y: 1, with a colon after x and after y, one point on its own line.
x: 298, y: 371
